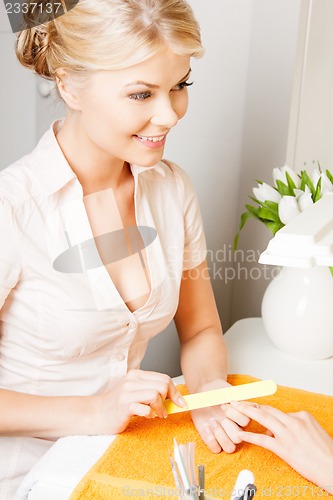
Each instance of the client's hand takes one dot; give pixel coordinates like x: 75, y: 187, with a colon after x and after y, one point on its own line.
x: 140, y: 393
x: 297, y: 438
x: 218, y: 430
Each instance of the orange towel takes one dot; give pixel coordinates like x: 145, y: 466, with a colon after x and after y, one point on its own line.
x: 137, y: 463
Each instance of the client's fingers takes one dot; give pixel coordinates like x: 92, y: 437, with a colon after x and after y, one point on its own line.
x: 271, y: 418
x: 232, y: 430
x: 216, y: 438
x: 262, y: 440
x: 232, y: 413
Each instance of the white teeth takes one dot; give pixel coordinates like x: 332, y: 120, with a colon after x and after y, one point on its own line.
x: 152, y: 139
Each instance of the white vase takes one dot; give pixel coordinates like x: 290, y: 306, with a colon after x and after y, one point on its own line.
x: 297, y: 312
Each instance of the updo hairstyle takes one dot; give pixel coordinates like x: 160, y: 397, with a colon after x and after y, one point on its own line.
x: 108, y: 35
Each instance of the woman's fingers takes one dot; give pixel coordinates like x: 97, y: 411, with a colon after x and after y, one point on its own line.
x: 163, y: 384
x: 224, y: 433
x: 216, y: 438
x: 231, y: 429
x: 231, y: 412
x: 176, y: 396
x: 208, y: 422
x: 152, y: 388
x: 273, y: 419
x: 149, y: 397
x: 141, y: 410
x: 262, y: 440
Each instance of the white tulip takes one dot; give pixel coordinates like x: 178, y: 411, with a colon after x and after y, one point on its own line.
x: 265, y: 192
x: 315, y: 176
x: 304, y: 198
x: 288, y: 209
x: 326, y: 184
x: 279, y: 173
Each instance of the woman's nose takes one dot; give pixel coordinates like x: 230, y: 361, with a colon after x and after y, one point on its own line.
x: 164, y: 114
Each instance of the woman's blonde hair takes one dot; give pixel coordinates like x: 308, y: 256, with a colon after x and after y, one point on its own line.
x: 109, y: 35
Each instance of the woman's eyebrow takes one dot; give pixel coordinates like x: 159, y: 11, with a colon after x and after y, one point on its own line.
x: 152, y: 85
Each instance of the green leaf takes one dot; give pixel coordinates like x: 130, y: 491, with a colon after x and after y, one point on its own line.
x: 274, y: 226
x: 272, y: 205
x: 255, y: 200
x: 331, y: 269
x: 252, y: 210
x: 329, y: 175
x: 283, y: 189
x: 291, y: 184
x: 317, y: 195
x: 267, y: 214
x: 235, y: 245
x: 250, y: 214
x: 306, y: 181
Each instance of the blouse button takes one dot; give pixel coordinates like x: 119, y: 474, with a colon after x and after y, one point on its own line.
x: 131, y: 325
x: 120, y: 356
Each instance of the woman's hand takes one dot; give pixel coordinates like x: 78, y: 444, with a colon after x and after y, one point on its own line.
x: 140, y: 393
x: 218, y: 430
x: 297, y: 438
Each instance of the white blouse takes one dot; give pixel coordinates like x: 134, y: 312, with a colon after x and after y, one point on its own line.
x: 70, y: 333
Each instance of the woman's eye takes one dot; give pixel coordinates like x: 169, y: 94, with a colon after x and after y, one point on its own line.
x: 140, y: 96
x: 182, y: 85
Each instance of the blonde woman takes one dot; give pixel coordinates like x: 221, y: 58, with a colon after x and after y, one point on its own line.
x: 104, y: 243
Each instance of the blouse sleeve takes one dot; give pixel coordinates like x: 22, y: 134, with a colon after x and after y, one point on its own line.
x: 195, y: 249
x: 9, y: 251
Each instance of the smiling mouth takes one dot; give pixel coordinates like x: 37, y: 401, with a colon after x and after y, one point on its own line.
x: 159, y: 138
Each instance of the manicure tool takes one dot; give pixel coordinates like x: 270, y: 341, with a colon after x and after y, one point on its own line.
x: 201, y: 474
x: 249, y: 492
x: 181, y: 468
x: 244, y: 479
x: 222, y: 396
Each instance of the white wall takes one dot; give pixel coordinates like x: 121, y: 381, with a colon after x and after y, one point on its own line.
x: 17, y: 100
x: 269, y: 89
x: 311, y: 120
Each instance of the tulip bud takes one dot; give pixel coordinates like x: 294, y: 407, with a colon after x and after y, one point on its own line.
x: 265, y: 192
x: 304, y: 198
x: 280, y: 174
x: 288, y: 209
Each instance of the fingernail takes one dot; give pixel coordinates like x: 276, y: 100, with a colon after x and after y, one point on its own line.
x: 181, y: 402
x: 235, y: 403
x: 165, y: 413
x: 207, y: 428
x: 214, y: 423
x: 208, y: 431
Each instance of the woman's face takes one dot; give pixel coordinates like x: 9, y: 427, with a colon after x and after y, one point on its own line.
x: 127, y: 114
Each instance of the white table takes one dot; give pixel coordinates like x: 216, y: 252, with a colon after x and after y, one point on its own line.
x: 251, y: 352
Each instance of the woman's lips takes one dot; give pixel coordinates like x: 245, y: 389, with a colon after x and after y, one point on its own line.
x: 151, y: 141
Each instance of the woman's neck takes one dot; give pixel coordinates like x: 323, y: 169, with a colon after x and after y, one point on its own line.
x: 94, y: 169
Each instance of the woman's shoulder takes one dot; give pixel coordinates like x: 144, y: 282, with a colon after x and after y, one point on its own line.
x: 16, y: 182
x: 181, y: 177
x: 20, y: 180
x: 174, y: 170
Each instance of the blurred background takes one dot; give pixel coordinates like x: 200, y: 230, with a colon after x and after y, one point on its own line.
x: 262, y: 98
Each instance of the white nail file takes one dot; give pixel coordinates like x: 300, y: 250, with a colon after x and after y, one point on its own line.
x: 221, y: 396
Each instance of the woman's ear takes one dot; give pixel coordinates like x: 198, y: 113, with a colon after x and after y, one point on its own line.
x: 67, y: 89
